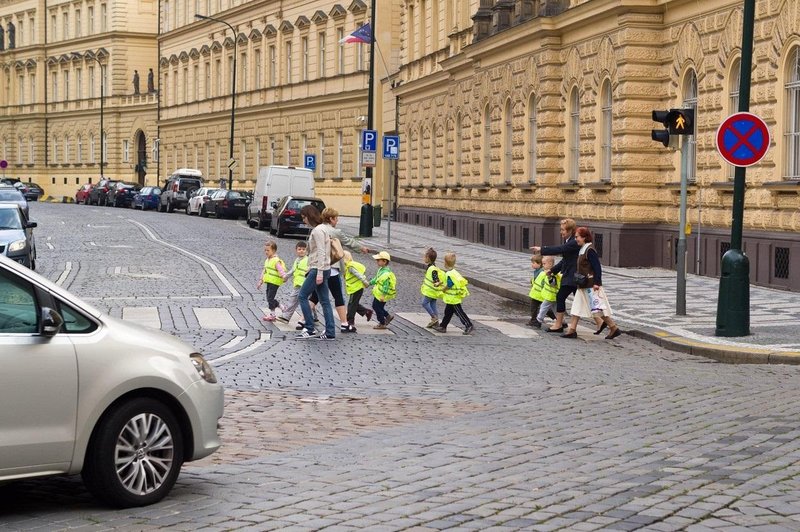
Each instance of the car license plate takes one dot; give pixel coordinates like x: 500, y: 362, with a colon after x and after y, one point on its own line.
x: 238, y: 204
x: 302, y: 226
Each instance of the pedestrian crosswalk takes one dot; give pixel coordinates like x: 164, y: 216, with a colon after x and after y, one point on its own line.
x: 221, y: 319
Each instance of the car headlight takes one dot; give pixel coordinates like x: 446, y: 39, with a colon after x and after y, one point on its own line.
x: 203, y: 368
x: 19, y: 245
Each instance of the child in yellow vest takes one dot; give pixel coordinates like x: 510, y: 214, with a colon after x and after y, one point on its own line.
x: 273, y: 276
x: 455, y: 291
x: 298, y: 275
x: 431, y: 288
x: 536, y: 290
x: 550, y: 284
x: 384, y: 289
x: 354, y: 283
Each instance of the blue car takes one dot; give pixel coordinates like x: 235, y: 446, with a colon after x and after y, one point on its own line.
x: 147, y: 198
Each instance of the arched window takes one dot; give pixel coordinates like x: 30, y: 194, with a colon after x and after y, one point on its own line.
x: 66, y: 148
x: 487, y: 144
x: 79, y: 153
x: 733, y: 98
x: 91, y: 149
x: 792, y: 134
x: 574, y: 135
x: 689, y: 146
x: 434, y: 141
x: 420, y: 156
x: 31, y: 150
x: 606, y: 131
x: 508, y: 139
x: 531, y: 138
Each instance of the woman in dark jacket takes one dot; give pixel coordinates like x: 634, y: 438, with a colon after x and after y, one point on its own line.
x: 568, y: 265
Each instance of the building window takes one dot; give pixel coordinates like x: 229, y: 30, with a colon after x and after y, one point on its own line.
x: 459, y: 148
x: 531, y: 136
x: 207, y: 87
x: 321, y: 155
x: 304, y: 42
x: 486, y: 142
x: 166, y: 15
x: 243, y: 165
x: 218, y: 77
x: 65, y: 20
x: 33, y: 87
x: 322, y: 60
x: 92, y: 157
x: 55, y: 150
x: 434, y: 160
x: 243, y: 84
x: 31, y: 150
x: 288, y: 62
x: 125, y: 151
x: 21, y: 92
x: 420, y: 155
x: 53, y: 28
x: 273, y: 65
x: 288, y: 146
x: 78, y: 83
x: 79, y: 152
x: 411, y: 33
x: 606, y: 133
x: 574, y: 138
x: 340, y: 51
x: 508, y: 141
x: 360, y: 56
x: 733, y: 98
x: 689, y: 144
x: 19, y: 149
x: 104, y: 145
x: 55, y: 88
x: 90, y: 21
x: 66, y: 148
x: 91, y: 82
x: 792, y: 135
x: 78, y: 29
x: 196, y: 83
x: 258, y: 157
x: 66, y: 84
x: 258, y: 70
x: 103, y: 18
x: 339, y: 154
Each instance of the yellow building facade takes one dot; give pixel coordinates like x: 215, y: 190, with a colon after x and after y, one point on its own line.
x: 546, y: 114
x: 55, y: 60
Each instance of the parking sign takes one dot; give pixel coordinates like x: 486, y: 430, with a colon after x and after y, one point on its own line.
x: 311, y: 161
x: 369, y: 140
x: 391, y: 146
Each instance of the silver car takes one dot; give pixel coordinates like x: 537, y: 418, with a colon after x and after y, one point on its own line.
x: 16, y: 235
x: 85, y: 393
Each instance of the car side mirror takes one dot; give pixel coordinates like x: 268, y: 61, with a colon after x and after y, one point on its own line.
x: 30, y: 225
x: 273, y: 204
x: 51, y: 322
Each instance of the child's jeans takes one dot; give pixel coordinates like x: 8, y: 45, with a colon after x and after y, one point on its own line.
x: 291, y: 303
x: 429, y: 304
x: 535, y: 306
x: 354, y: 306
x: 544, y: 309
x: 272, y: 291
x: 380, y: 310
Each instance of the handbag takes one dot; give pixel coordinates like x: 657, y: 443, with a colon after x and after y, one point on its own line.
x: 336, y: 250
x: 581, y: 280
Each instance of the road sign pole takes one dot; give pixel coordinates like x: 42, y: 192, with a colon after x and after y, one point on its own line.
x: 680, y: 302
x: 733, y: 303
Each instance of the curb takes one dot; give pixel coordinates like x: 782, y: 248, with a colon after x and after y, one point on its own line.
x: 667, y: 340
x: 57, y: 199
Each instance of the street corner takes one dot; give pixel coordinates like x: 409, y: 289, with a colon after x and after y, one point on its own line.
x: 726, y: 353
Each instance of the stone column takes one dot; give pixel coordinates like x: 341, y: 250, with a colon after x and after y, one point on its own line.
x: 482, y: 20
x: 524, y: 10
x: 501, y: 15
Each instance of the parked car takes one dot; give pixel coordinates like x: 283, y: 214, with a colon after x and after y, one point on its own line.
x: 121, y: 194
x: 9, y: 194
x: 226, y: 204
x: 16, y: 236
x: 178, y: 188
x: 198, y: 198
x: 146, y: 198
x: 31, y: 191
x: 286, y: 219
x: 123, y: 405
x: 272, y: 183
x: 98, y: 194
x: 82, y: 195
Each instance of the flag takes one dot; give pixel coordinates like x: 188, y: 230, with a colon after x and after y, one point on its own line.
x: 362, y: 34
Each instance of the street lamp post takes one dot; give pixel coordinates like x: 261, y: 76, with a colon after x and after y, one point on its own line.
x: 233, y: 95
x: 102, y: 86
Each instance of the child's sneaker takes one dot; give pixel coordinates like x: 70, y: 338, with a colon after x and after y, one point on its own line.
x: 271, y: 317
x: 305, y: 335
x: 439, y: 329
x: 468, y: 329
x: 536, y: 324
x: 344, y: 327
x: 283, y: 320
x: 433, y: 323
x: 389, y: 318
x: 381, y: 326
x: 368, y: 314
x: 324, y: 336
x: 348, y: 329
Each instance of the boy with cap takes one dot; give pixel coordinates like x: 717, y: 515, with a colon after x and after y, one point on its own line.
x: 384, y: 289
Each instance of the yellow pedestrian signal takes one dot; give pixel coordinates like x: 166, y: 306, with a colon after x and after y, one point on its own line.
x: 680, y: 123
x: 676, y: 122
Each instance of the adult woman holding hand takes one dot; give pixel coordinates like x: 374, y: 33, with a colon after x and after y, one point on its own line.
x: 319, y: 269
x: 567, y: 267
x: 590, y: 299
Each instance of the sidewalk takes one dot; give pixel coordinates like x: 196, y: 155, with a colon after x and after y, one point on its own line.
x: 643, y: 299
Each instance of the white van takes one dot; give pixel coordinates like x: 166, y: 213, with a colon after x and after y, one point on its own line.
x: 273, y: 183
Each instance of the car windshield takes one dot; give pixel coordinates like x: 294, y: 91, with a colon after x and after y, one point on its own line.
x: 11, y: 195
x: 9, y: 219
x: 235, y: 195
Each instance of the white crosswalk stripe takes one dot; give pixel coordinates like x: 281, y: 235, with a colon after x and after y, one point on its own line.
x: 147, y: 316
x: 362, y: 326
x: 215, y: 318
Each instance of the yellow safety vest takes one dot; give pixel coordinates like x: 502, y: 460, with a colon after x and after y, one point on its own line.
x: 455, y: 294
x: 537, y: 284
x: 352, y: 283
x: 385, y: 282
x: 428, y: 288
x: 271, y: 274
x: 549, y: 291
x: 300, y: 268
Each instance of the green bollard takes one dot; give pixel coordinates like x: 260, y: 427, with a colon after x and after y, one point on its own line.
x: 733, y: 304
x: 365, y: 222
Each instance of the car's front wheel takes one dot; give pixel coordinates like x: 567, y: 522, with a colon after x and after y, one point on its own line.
x: 135, y: 454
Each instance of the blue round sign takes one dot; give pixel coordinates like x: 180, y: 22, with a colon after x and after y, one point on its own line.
x: 743, y: 139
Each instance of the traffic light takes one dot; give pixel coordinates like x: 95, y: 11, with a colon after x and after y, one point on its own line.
x: 676, y: 122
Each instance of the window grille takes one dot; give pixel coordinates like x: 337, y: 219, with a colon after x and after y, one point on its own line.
x: 781, y: 263
x: 598, y: 244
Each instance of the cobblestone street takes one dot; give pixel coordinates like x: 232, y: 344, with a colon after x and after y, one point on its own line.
x: 506, y: 429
